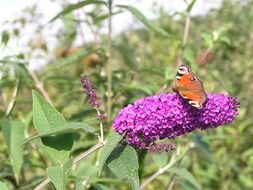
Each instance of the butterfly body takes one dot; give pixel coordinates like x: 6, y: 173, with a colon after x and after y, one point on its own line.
x: 190, y: 87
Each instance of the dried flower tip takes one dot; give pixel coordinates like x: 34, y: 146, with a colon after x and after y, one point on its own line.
x: 164, y: 147
x: 101, y: 117
x: 90, y: 91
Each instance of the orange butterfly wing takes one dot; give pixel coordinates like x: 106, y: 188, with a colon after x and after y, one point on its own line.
x: 190, y: 88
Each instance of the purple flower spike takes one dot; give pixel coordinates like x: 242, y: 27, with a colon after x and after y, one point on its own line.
x: 90, y: 91
x: 169, y: 115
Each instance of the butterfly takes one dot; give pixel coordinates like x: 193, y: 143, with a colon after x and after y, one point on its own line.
x: 189, y: 87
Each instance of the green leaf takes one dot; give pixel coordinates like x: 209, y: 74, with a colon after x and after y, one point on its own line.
x: 148, y: 23
x: 45, y: 116
x: 188, y: 55
x: 186, y: 175
x: 5, y: 37
x: 203, y: 146
x: 3, y: 186
x: 146, y: 89
x: 22, y: 72
x: 13, y: 133
x: 128, y: 56
x: 75, y: 6
x: 112, y: 141
x: 99, y: 18
x: 100, y: 187
x: 225, y: 40
x: 73, y: 127
x: 190, y: 6
x: 123, y: 162
x: 56, y: 176
x: 208, y: 38
x: 160, y: 159
x: 85, y: 169
x: 186, y: 185
x: 46, y: 119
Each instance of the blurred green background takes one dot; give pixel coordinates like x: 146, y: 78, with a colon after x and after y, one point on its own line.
x: 144, y: 60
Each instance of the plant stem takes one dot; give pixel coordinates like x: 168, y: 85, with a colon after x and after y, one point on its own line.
x: 109, y: 70
x: 80, y: 26
x: 39, y: 85
x: 13, y: 100
x: 75, y: 161
x: 186, y: 30
x: 171, y: 183
x: 42, y: 184
x: 175, y: 157
x: 187, y: 22
x: 101, y: 137
x: 92, y: 29
x: 88, y: 152
x: 159, y: 172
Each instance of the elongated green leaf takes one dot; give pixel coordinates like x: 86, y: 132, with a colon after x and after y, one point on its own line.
x: 186, y: 175
x: 148, y: 23
x: 22, y: 72
x: 73, y: 127
x: 3, y: 186
x: 75, y: 6
x: 5, y: 37
x: 111, y: 142
x: 190, y: 6
x: 56, y: 176
x: 123, y: 162
x: 13, y: 133
x: 46, y: 118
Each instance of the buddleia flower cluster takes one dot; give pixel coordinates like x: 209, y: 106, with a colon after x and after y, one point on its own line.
x: 168, y: 116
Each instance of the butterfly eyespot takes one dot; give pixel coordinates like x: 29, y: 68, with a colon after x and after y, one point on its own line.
x: 193, y: 78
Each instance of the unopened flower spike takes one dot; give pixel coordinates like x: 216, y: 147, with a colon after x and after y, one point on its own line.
x: 90, y: 91
x: 168, y: 116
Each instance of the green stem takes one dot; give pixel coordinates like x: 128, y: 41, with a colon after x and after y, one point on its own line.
x: 109, y: 70
x: 174, y: 159
x: 76, y: 160
x: 13, y: 100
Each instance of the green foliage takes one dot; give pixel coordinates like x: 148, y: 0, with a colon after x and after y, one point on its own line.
x: 2, y: 186
x: 75, y: 6
x: 46, y: 119
x: 68, y: 128
x: 186, y: 175
x: 123, y: 162
x: 5, y: 37
x: 13, y: 132
x: 112, y: 141
x: 58, y: 175
x: 143, y: 63
x: 138, y: 14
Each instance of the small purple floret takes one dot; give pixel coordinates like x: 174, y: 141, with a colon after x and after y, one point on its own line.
x: 169, y: 115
